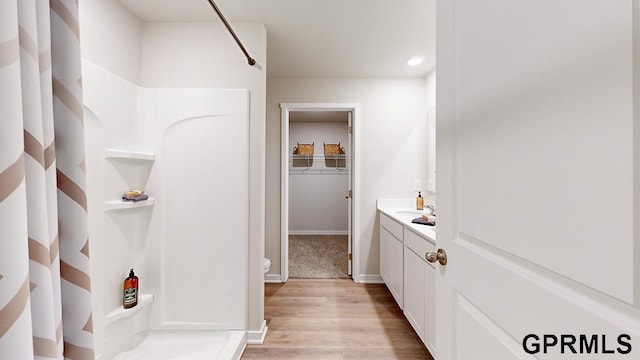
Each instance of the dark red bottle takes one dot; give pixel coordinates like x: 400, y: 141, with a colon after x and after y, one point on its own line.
x: 130, y: 295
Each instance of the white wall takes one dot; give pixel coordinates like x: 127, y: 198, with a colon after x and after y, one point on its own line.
x: 430, y: 104
x: 111, y: 38
x: 392, y: 134
x: 430, y: 89
x: 181, y: 54
x: 317, y: 203
x: 204, y: 55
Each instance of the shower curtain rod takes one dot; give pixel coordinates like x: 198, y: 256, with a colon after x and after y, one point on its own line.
x: 250, y: 60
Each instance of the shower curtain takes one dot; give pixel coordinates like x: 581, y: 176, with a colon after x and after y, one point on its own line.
x: 45, y: 299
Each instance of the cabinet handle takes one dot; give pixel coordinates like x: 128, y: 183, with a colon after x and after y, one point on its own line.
x: 439, y: 256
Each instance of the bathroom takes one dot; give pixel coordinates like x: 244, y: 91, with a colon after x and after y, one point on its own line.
x: 145, y: 85
x: 156, y: 84
x: 393, y: 142
x: 393, y: 130
x: 146, y: 81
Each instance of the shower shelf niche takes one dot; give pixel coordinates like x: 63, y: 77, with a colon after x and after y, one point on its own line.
x: 128, y: 155
x: 122, y: 205
x: 134, y: 168
x: 121, y: 313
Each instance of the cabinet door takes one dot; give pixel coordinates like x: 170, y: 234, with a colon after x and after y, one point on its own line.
x: 429, y: 338
x: 391, y: 259
x: 415, y: 270
x: 385, y: 262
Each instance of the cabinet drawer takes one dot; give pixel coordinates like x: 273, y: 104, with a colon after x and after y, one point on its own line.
x: 391, y: 225
x: 418, y: 244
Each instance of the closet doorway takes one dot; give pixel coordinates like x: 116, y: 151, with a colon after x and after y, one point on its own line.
x: 319, y: 190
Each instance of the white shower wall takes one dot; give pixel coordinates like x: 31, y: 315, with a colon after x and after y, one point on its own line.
x: 190, y: 249
x: 112, y: 120
x: 202, y: 173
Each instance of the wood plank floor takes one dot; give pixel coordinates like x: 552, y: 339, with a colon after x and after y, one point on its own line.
x: 334, y: 319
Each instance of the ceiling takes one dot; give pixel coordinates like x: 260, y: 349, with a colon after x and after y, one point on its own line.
x: 322, y: 38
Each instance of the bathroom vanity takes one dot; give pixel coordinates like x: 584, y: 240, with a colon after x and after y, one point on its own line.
x: 404, y: 268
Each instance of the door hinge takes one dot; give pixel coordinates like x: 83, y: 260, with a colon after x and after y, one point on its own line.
x: 350, y: 257
x: 350, y: 193
x: 350, y: 129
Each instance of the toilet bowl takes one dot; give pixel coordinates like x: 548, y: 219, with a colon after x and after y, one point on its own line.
x: 267, y: 265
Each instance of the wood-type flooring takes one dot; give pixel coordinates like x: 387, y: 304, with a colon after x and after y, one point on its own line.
x: 334, y: 319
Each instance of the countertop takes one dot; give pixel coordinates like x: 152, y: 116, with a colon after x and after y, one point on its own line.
x: 403, y: 211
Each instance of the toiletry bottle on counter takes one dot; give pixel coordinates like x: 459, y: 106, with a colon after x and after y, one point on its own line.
x: 130, y: 295
x: 419, y: 201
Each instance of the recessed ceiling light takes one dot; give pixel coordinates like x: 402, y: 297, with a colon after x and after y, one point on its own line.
x: 415, y: 61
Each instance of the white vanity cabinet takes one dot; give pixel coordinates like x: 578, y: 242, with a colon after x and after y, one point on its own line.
x: 391, y: 257
x: 419, y: 288
x: 406, y: 272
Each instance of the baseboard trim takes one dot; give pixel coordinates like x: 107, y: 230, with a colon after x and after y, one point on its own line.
x: 257, y: 337
x: 369, y: 279
x: 318, y: 232
x: 235, y: 345
x: 273, y: 278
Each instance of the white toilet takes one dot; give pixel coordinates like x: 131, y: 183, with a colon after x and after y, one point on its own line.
x: 267, y: 265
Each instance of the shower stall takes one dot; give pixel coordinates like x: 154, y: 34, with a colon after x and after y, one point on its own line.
x: 188, y: 149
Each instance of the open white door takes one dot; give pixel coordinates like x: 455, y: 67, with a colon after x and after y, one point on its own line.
x: 538, y: 172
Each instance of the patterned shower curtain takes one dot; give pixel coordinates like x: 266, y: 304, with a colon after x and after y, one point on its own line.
x: 45, y: 298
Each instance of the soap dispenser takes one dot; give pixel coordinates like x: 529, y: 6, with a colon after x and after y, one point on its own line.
x: 130, y: 291
x: 419, y: 201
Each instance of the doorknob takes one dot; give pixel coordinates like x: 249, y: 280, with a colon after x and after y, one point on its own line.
x: 440, y: 256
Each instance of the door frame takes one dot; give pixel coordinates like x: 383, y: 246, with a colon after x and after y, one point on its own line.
x: 354, y: 108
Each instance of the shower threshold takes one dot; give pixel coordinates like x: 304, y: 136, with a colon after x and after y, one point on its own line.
x: 186, y: 345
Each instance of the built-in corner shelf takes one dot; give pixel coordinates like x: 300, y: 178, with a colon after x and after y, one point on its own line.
x: 129, y: 155
x: 121, y: 313
x: 121, y: 205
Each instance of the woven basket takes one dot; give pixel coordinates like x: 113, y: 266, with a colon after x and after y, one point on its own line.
x: 333, y: 149
x: 304, y: 149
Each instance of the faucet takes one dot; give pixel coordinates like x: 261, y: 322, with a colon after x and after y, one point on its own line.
x: 432, y: 208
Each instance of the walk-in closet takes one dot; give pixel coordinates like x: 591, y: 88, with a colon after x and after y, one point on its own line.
x: 319, y: 161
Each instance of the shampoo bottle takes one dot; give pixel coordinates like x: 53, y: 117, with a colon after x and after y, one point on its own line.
x: 130, y: 295
x: 419, y: 201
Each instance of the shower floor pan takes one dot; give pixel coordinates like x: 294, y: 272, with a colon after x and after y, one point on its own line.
x: 186, y: 345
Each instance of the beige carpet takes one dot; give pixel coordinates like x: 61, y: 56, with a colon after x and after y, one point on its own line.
x: 318, y: 256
